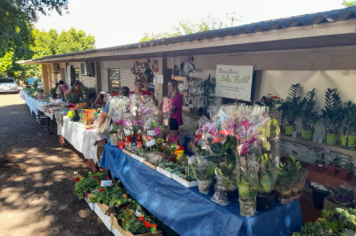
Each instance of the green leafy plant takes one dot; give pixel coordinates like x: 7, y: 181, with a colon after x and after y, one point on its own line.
x: 203, y: 170
x: 320, y: 158
x: 290, y: 106
x: 349, y: 164
x: 336, y: 161
x: 206, y: 88
x: 286, y: 176
x: 110, y: 196
x: 267, y: 175
x: 269, y: 101
x: 114, y: 130
x: 225, y: 159
x: 333, y: 112
x: 306, y: 108
x: 136, y: 225
x: 350, y: 119
x: 84, y: 186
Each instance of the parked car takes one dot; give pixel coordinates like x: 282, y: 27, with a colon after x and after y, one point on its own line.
x: 8, y: 84
x: 31, y: 81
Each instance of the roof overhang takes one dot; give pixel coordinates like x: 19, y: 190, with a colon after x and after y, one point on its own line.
x: 331, y: 34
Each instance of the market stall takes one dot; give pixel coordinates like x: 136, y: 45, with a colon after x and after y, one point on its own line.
x: 31, y: 102
x: 189, y: 212
x: 80, y: 138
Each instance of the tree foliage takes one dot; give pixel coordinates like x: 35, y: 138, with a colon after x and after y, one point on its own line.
x: 349, y: 4
x: 185, y: 26
x: 44, y: 44
x: 17, y: 17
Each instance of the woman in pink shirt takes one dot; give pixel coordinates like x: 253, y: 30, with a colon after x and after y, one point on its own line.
x: 176, y: 98
x: 64, y: 87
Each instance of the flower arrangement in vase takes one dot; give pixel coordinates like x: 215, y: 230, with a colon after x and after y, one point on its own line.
x: 333, y: 114
x: 348, y: 138
x: 290, y: 109
x: 306, y: 108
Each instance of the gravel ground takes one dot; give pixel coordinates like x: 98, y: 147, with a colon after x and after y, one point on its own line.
x: 36, y: 179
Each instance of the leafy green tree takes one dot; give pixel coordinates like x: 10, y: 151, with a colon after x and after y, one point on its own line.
x: 44, y: 44
x: 349, y: 4
x: 185, y: 26
x: 17, y: 17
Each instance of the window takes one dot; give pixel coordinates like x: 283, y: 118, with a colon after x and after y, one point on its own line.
x: 114, y: 80
x: 76, y: 74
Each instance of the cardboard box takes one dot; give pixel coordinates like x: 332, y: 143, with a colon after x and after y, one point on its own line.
x: 91, y: 205
x: 149, y: 165
x: 329, y: 205
x: 104, y: 218
x: 105, y: 209
x: 118, y: 231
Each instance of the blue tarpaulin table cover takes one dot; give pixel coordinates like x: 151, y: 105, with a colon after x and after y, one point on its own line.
x: 191, y: 213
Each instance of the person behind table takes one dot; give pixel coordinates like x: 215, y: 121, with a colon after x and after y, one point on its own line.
x: 124, y: 91
x: 64, y: 87
x: 176, y: 98
x: 99, y: 102
x: 59, y: 91
x: 74, y: 94
x: 138, y: 89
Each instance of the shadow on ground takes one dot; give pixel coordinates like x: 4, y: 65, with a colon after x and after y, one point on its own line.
x: 36, y: 179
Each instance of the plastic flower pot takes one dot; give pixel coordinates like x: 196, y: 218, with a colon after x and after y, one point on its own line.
x: 121, y: 144
x: 333, y: 169
x: 346, y: 175
x: 331, y: 139
x: 347, y: 141
x: 307, y: 134
x: 204, y: 186
x: 114, y: 139
x: 319, y: 166
x: 318, y: 197
x: 247, y: 207
x: 264, y: 202
x: 288, y: 130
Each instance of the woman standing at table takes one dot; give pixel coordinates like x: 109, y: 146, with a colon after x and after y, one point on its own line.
x: 74, y: 94
x: 138, y: 89
x: 63, y: 87
x: 176, y: 98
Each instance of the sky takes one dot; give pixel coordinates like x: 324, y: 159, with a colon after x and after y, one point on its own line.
x: 117, y: 22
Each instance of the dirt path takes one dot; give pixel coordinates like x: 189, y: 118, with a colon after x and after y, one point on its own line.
x: 36, y: 179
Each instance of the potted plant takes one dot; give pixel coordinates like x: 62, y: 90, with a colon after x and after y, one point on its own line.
x: 320, y: 163
x: 204, y: 172
x: 84, y: 186
x: 333, y: 114
x: 225, y: 161
x: 53, y: 92
x: 266, y: 183
x: 348, y: 138
x: 286, y: 179
x: 347, y: 170
x: 334, y: 165
x: 309, y: 115
x: 290, y: 109
x: 113, y: 135
x: 206, y: 88
x: 272, y: 102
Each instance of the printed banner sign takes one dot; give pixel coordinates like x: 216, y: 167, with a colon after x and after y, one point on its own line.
x: 234, y: 82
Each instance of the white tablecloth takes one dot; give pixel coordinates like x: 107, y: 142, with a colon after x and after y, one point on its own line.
x: 81, y: 139
x: 31, y: 103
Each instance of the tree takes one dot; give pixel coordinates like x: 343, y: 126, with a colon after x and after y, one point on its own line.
x: 349, y: 4
x: 17, y: 17
x: 44, y: 44
x: 185, y: 26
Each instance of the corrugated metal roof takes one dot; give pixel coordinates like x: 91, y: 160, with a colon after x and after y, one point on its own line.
x: 295, y: 21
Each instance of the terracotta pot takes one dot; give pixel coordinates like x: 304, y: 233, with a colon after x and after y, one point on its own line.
x: 319, y: 166
x: 346, y: 175
x: 333, y: 169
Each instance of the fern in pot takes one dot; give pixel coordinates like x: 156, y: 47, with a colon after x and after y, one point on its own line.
x: 333, y: 114
x: 306, y: 109
x: 290, y: 109
x: 348, y: 136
